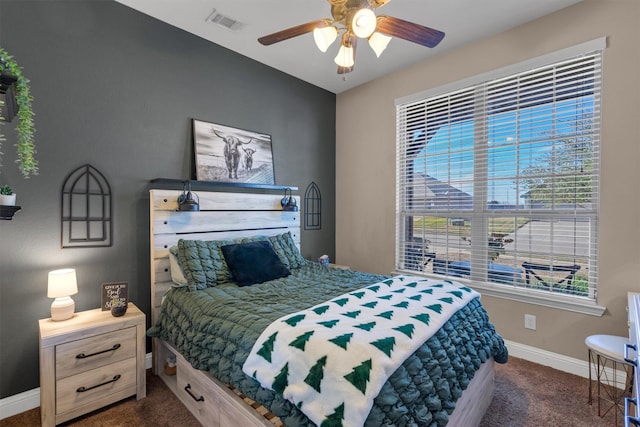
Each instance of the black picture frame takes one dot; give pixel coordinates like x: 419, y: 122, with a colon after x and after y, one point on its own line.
x: 114, y: 290
x: 231, y: 155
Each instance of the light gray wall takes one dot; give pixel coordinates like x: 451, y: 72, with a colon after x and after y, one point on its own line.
x: 117, y: 89
x: 365, y: 177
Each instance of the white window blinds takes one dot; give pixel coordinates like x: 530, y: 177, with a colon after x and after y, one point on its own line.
x: 497, y: 180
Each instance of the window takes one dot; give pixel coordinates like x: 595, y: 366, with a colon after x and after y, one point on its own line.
x: 498, y: 178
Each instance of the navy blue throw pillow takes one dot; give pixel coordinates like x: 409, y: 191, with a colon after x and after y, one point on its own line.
x: 253, y: 262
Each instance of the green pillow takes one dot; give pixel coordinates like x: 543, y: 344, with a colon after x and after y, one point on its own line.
x: 203, y: 262
x: 287, y: 250
x: 200, y: 260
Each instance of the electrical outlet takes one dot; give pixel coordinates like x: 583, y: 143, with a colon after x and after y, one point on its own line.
x: 530, y: 321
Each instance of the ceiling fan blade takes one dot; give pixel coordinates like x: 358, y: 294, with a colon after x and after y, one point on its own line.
x: 291, y: 32
x: 410, y: 31
x: 354, y: 44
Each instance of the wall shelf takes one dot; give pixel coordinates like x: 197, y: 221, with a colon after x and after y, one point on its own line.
x: 8, y: 107
x: 170, y: 183
x: 7, y: 212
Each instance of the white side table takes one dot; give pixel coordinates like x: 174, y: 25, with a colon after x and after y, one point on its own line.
x: 606, y: 352
x: 90, y: 361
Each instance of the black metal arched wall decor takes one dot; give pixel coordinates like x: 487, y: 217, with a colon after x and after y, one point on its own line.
x: 86, y: 216
x: 312, y: 208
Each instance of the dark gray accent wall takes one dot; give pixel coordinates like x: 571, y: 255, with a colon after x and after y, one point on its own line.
x: 117, y: 89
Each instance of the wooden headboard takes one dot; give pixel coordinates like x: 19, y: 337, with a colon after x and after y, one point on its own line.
x: 222, y: 215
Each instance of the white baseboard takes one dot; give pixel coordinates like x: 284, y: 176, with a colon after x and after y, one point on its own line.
x: 20, y: 402
x: 571, y: 365
x: 554, y: 360
x: 30, y: 399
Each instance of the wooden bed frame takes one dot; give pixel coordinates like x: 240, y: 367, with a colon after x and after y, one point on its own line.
x: 231, y: 215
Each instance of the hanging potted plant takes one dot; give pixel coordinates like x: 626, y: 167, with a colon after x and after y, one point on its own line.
x: 15, y: 100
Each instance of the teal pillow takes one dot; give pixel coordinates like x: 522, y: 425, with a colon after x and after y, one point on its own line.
x: 287, y: 250
x: 253, y: 262
x: 199, y: 261
x: 203, y: 263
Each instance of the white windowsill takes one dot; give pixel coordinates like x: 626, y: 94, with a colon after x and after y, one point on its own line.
x: 529, y: 296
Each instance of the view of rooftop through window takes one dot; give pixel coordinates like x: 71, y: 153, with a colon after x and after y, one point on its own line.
x: 498, y: 182
x: 522, y: 149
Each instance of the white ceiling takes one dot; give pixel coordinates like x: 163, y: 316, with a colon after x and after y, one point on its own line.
x: 461, y: 20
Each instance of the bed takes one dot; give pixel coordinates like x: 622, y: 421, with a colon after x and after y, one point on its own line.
x: 213, y: 329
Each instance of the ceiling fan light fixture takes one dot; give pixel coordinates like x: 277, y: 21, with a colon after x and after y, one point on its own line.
x: 379, y: 42
x: 363, y: 23
x: 344, y: 58
x: 353, y: 20
x: 324, y: 37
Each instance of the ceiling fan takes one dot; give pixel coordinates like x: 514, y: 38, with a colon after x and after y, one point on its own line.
x: 354, y: 19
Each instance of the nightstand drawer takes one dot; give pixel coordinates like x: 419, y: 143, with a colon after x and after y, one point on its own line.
x: 104, y: 385
x: 96, y: 351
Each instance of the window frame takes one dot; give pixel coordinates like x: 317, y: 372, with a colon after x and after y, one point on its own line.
x: 586, y: 305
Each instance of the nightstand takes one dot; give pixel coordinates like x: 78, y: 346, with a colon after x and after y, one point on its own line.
x: 343, y: 267
x: 89, y: 361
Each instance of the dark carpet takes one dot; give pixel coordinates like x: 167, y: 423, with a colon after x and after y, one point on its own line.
x: 526, y: 395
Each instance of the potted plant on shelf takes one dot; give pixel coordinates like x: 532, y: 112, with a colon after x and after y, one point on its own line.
x: 7, y: 196
x: 15, y: 100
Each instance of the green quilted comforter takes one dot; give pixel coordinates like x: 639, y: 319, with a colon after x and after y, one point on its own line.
x: 215, y: 328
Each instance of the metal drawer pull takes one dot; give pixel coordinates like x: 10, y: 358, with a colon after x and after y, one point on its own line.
x: 84, y: 356
x: 628, y: 419
x: 633, y: 362
x: 83, y: 389
x: 187, y: 388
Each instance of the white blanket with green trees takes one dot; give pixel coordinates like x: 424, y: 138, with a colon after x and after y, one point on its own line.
x: 331, y: 360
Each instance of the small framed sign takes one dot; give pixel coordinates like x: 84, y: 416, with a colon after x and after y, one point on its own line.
x: 114, y: 291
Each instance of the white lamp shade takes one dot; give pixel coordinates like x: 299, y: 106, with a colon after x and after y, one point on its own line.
x: 324, y: 37
x: 379, y: 42
x: 363, y: 23
x: 344, y: 58
x: 62, y: 283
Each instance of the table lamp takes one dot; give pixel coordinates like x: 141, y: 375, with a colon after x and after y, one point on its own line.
x: 62, y: 284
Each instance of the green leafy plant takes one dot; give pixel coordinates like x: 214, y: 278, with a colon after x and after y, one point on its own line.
x: 6, y: 190
x: 26, y: 130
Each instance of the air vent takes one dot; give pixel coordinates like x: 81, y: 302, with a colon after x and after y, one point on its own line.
x: 224, y: 21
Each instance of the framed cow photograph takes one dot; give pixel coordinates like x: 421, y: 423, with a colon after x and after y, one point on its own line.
x: 226, y: 154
